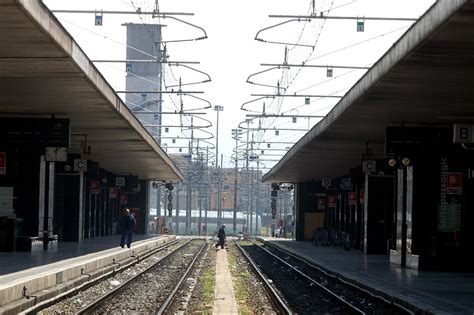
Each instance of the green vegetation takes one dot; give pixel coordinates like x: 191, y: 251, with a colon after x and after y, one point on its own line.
x: 245, y: 243
x: 208, y: 282
x: 239, y: 279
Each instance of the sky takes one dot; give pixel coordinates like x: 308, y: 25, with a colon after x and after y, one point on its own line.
x: 231, y: 56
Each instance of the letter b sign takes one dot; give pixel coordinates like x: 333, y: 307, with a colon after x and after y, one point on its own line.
x: 462, y: 133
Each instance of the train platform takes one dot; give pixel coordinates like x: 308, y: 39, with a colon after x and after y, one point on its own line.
x: 424, y: 291
x: 11, y: 262
x: 44, y: 274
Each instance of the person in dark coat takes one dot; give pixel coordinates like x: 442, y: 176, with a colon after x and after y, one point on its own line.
x: 221, y: 236
x: 127, y: 223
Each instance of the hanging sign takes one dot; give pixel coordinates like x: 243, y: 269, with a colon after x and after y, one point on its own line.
x: 3, y: 163
x: 98, y: 19
x: 113, y: 192
x: 124, y: 199
x: 362, y: 196
x: 332, y: 201
x: 119, y: 181
x: 326, y: 182
x: 454, y: 186
x: 95, y: 187
x: 351, y: 198
x: 321, y: 203
x: 346, y: 184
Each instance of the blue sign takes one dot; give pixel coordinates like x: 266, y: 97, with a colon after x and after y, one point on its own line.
x: 346, y: 184
x: 187, y: 156
x: 98, y: 19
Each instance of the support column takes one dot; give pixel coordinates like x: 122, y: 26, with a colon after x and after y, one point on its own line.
x: 42, y: 190
x: 80, y: 230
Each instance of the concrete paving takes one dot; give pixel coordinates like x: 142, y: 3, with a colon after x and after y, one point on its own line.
x: 11, y: 262
x: 224, y: 297
x: 435, y: 292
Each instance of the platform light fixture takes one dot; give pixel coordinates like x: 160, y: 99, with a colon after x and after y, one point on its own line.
x: 360, y: 25
x: 392, y: 162
x: 406, y: 161
x: 329, y: 72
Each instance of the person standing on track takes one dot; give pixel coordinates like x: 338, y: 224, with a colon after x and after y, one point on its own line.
x: 221, y: 236
x: 127, y: 223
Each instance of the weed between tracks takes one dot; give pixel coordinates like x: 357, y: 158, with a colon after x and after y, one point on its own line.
x: 238, y: 278
x: 208, y: 280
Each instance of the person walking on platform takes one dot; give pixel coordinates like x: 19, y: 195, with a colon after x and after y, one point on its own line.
x: 127, y: 223
x: 221, y: 236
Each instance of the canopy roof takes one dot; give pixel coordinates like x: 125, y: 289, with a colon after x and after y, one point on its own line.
x: 44, y: 72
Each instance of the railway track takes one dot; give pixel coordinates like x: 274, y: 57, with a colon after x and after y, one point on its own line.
x: 60, y: 302
x: 153, y: 289
x: 278, y: 301
x: 297, y: 287
x: 365, y: 300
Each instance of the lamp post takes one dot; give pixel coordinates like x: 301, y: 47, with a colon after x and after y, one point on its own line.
x: 217, y: 108
x: 236, y: 134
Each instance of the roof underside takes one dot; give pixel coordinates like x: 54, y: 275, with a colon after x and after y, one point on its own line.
x: 425, y: 79
x: 44, y: 72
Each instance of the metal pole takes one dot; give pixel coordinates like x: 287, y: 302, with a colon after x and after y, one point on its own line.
x: 257, y: 201
x: 234, y: 221
x: 217, y: 140
x: 217, y: 108
x: 177, y: 208
x: 158, y: 207
x: 208, y: 198
x: 251, y: 201
x: 285, y: 205
x: 220, y: 191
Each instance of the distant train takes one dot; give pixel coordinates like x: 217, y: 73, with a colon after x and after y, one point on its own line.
x: 227, y: 219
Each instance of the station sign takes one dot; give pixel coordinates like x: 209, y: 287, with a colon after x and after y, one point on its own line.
x: 463, y: 133
x: 46, y: 132
x: 321, y: 203
x: 326, y: 182
x: 454, y: 185
x: 332, y: 201
x: 369, y: 166
x: 351, y: 198
x: 113, y: 192
x: 3, y: 163
x: 346, y: 184
x: 362, y: 196
x: 123, y: 198
x: 80, y: 165
x: 119, y: 181
x: 95, y: 187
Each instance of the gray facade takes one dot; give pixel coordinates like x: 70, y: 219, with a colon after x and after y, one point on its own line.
x: 143, y: 43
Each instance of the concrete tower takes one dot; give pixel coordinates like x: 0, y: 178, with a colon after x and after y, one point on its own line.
x: 143, y: 43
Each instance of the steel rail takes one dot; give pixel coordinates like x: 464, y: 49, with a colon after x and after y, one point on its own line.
x: 116, y: 290
x: 330, y: 275
x: 324, y: 289
x: 172, y: 295
x: 275, y: 297
x: 86, y: 285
